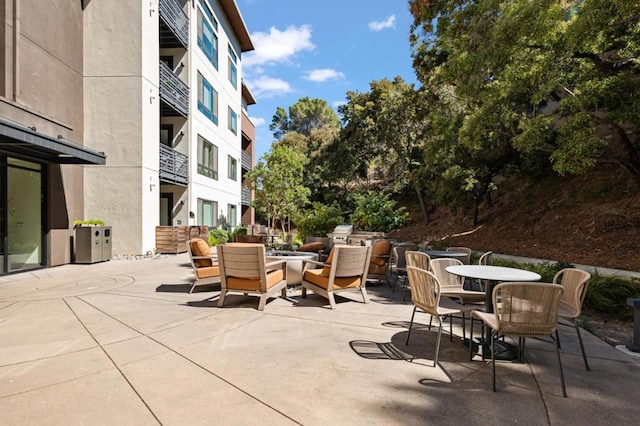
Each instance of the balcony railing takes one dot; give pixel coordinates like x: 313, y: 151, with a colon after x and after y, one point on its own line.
x: 176, y: 20
x: 245, y: 196
x: 245, y: 160
x: 173, y: 91
x: 174, y: 166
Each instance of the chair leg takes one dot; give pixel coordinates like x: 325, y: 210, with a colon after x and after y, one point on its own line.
x: 304, y: 292
x: 365, y: 296
x: 450, y: 328
x: 564, y: 390
x: 471, y: 340
x: 584, y: 355
x: 411, y: 324
x: 332, y: 300
x: 262, y: 302
x: 395, y: 282
x: 223, y: 293
x: 558, y: 338
x: 493, y: 358
x: 435, y: 360
x: 193, y: 287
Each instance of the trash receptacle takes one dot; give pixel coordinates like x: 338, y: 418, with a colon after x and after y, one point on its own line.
x: 89, y: 244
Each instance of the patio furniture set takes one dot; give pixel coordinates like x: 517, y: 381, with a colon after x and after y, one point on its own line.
x: 509, y: 301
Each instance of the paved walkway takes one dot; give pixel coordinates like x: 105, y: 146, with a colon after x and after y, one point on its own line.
x: 122, y: 342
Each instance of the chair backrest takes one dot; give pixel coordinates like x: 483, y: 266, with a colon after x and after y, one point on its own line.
x: 465, y: 260
x: 485, y: 259
x: 418, y: 259
x: 399, y: 257
x: 447, y: 281
x: 526, y: 308
x: 243, y: 260
x: 425, y: 289
x: 575, y: 282
x: 350, y: 261
x: 199, y: 248
x: 380, y: 255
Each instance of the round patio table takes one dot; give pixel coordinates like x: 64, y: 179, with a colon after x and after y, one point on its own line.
x: 494, y: 275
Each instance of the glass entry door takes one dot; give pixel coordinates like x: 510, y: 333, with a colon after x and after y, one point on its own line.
x: 21, y: 224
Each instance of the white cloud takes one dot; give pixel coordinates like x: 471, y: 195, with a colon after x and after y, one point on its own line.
x: 390, y: 22
x: 257, y: 121
x: 323, y: 74
x: 278, y: 46
x: 268, y: 87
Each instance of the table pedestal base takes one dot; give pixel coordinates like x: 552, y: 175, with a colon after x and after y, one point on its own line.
x: 504, y: 351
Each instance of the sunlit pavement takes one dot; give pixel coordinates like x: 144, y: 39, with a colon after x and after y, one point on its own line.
x: 122, y: 342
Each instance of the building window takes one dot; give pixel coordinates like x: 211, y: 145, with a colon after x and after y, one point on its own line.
x: 233, y: 121
x: 233, y: 69
x: 207, y: 40
x: 207, y: 11
x: 207, y: 158
x: 233, y: 168
x: 231, y: 215
x: 207, y: 99
x: 207, y: 213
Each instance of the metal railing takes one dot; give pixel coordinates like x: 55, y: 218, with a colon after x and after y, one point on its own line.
x: 175, y: 18
x: 174, y: 166
x: 245, y: 160
x: 173, y: 91
x: 245, y: 196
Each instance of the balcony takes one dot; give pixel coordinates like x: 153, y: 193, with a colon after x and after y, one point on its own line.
x: 174, y: 25
x: 174, y: 93
x: 174, y: 167
x: 245, y: 196
x: 245, y: 160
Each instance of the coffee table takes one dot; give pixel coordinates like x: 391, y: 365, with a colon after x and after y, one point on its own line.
x: 294, y: 260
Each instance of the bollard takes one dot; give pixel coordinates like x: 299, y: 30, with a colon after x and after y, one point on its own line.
x: 635, y: 304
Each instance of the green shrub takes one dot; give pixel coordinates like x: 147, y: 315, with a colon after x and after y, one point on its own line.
x: 318, y: 221
x: 96, y: 222
x: 608, y: 295
x: 376, y: 212
x: 238, y: 230
x: 218, y: 236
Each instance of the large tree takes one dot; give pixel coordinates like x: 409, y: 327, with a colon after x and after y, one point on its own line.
x: 304, y: 116
x: 561, y: 77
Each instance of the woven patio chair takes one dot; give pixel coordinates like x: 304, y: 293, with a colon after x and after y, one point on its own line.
x: 425, y: 294
x: 525, y: 310
x: 416, y: 259
x: 575, y: 282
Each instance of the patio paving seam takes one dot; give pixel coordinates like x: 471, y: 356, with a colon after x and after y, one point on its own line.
x: 150, y: 337
x: 113, y: 362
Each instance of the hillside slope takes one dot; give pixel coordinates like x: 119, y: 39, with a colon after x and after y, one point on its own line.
x: 592, y: 219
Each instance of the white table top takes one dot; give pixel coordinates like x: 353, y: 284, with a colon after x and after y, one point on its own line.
x: 493, y: 273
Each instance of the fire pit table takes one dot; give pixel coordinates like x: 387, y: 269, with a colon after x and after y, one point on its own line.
x: 294, y: 263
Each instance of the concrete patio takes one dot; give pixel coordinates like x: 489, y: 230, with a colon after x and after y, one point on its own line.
x: 122, y: 342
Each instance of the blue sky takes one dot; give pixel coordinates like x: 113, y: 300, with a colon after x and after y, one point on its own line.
x: 320, y: 49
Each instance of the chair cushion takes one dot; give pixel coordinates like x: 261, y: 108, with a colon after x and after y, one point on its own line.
x: 207, y: 272
x: 199, y: 247
x: 315, y: 276
x: 253, y: 284
x: 326, y: 271
x: 377, y: 269
x: 380, y: 252
x: 312, y: 247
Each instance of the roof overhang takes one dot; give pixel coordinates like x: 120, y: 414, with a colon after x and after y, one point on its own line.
x: 247, y: 96
x: 237, y: 23
x: 24, y: 142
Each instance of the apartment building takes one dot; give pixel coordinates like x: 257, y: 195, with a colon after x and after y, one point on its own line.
x: 42, y: 143
x: 164, y: 98
x: 133, y: 112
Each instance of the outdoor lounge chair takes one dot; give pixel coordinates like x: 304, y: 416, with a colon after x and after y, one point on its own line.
x: 525, y: 310
x: 244, y: 269
x: 379, y: 266
x: 344, y: 269
x: 203, y: 262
